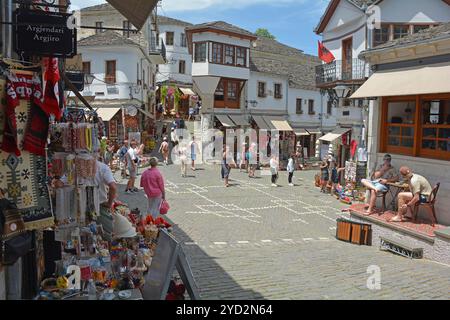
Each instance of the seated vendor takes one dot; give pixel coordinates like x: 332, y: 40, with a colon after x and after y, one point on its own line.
x: 420, y: 192
x: 386, y: 173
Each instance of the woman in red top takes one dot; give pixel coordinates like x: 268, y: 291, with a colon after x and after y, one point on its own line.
x: 153, y: 184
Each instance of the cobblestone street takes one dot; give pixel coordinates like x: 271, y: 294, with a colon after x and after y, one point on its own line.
x: 253, y: 241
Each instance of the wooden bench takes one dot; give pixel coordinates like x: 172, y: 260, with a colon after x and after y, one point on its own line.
x: 400, y: 248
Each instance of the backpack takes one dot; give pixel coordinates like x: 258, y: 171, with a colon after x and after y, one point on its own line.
x: 15, y: 241
x: 122, y: 152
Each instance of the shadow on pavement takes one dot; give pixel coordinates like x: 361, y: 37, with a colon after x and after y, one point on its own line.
x: 213, y: 282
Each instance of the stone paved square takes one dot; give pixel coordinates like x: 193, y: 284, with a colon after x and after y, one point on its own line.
x: 253, y: 241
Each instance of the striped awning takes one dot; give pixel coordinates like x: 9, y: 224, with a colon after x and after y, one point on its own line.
x: 301, y: 132
x: 225, y: 121
x: 314, y: 131
x: 336, y: 134
x: 261, y: 123
x: 278, y: 123
x: 239, y: 120
x: 106, y: 114
x: 187, y: 91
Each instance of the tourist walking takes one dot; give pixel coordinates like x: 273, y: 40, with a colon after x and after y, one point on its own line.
x: 252, y: 159
x: 153, y: 184
x: 324, y: 175
x: 122, y: 159
x: 274, y: 170
x: 194, y: 150
x: 227, y: 164
x: 109, y: 154
x: 183, y: 157
x: 291, y: 169
x: 164, y: 150
x: 243, y: 158
x: 139, y: 155
x: 132, y: 162
x: 173, y: 138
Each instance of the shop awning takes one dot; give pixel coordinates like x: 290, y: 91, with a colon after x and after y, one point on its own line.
x: 136, y: 11
x: 301, y: 132
x: 314, y: 131
x: 261, y: 123
x: 225, y: 120
x: 411, y: 81
x: 107, y: 113
x: 336, y: 134
x: 187, y: 91
x: 239, y: 120
x: 279, y: 123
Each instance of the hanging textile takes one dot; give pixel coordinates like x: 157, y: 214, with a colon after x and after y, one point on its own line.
x: 18, y: 88
x: 24, y: 177
x: 37, y: 132
x: 51, y: 93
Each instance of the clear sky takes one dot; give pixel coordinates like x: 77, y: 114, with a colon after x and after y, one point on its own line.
x: 291, y: 21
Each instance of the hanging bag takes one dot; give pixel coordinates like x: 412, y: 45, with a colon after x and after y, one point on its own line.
x: 15, y: 241
x: 164, y: 209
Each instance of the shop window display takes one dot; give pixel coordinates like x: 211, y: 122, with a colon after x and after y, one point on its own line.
x: 418, y: 127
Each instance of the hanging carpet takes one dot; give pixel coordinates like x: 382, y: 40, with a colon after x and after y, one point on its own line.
x: 24, y: 177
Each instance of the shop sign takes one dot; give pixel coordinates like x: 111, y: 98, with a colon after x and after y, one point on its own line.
x: 44, y: 34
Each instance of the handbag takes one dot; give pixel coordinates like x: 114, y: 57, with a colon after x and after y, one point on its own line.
x: 15, y: 241
x: 164, y: 209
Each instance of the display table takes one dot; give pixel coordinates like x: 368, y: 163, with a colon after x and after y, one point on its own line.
x: 395, y: 188
x: 135, y: 295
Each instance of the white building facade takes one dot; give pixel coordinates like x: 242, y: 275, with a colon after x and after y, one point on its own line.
x: 123, y: 66
x: 220, y: 67
x: 122, y: 83
x: 282, y: 84
x: 178, y: 69
x: 409, y: 114
x: 345, y: 33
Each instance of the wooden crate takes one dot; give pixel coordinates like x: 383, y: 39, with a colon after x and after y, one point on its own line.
x: 354, y: 232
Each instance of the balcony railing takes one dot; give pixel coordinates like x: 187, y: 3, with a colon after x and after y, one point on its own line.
x: 340, y: 70
x: 156, y: 48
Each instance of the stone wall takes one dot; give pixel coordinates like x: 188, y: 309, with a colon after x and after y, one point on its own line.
x: 438, y: 251
x: 442, y: 250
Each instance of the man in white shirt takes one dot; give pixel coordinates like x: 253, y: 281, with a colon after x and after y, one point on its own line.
x: 274, y: 170
x: 107, y: 186
x: 131, y: 160
x: 290, y: 169
x: 106, y: 183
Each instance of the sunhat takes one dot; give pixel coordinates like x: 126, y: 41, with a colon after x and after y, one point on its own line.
x: 123, y: 228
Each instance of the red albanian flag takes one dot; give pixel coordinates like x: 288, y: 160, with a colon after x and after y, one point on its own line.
x: 325, y: 54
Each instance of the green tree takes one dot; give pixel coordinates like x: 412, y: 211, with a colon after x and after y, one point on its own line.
x: 263, y: 32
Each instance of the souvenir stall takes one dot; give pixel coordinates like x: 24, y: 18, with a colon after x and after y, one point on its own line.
x: 55, y: 239
x: 103, y: 255
x: 26, y: 208
x: 349, y: 189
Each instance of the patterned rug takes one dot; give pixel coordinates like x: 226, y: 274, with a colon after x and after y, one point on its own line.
x: 24, y: 178
x: 420, y: 226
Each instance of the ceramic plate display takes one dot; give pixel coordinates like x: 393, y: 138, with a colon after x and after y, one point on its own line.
x: 125, y: 294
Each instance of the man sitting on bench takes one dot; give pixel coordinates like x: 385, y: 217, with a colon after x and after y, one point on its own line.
x: 420, y: 192
x: 385, y: 173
